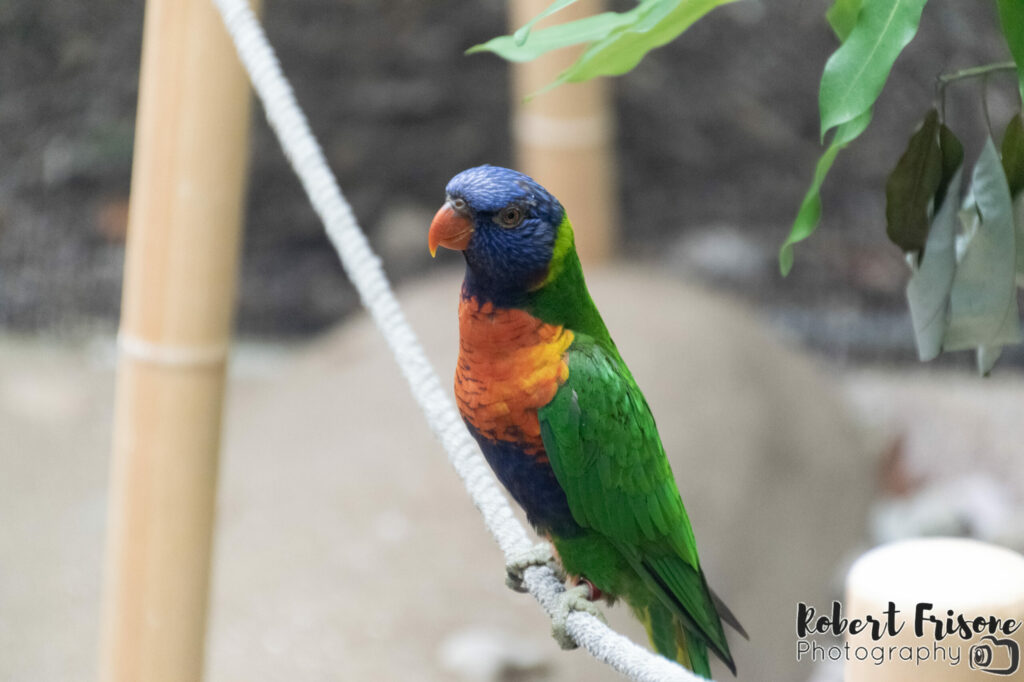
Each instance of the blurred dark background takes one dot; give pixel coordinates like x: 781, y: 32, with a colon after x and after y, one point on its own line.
x: 717, y: 139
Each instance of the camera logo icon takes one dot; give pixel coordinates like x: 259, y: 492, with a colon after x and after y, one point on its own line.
x: 987, y: 657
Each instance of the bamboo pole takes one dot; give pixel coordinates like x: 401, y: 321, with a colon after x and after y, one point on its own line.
x: 564, y: 138
x: 185, y: 213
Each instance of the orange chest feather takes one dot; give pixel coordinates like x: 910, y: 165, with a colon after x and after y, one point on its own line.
x: 510, y: 365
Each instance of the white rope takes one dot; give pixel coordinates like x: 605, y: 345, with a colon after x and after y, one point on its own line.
x: 364, y: 269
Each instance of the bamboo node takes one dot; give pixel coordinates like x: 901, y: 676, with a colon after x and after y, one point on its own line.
x: 170, y: 355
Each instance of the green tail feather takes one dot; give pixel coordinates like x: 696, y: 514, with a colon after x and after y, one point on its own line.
x: 670, y: 639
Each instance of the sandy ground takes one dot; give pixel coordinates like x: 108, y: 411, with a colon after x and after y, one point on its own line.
x: 346, y: 548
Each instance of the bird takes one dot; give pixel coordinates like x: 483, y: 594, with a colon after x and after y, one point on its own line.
x: 561, y: 421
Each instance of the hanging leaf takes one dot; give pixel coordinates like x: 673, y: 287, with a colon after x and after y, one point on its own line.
x: 1012, y: 151
x: 551, y: 38
x: 523, y: 33
x: 983, y: 300
x: 1013, y: 154
x: 810, y: 208
x: 1018, y: 221
x: 1011, y: 18
x: 912, y: 186
x: 657, y: 23
x: 986, y: 358
x: 618, y: 40
x: 842, y: 16
x: 853, y: 78
x: 856, y: 72
x: 952, y: 159
x: 929, y: 286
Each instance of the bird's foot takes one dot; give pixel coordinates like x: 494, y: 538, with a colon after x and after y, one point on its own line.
x: 594, y: 594
x: 576, y: 598
x: 540, y: 554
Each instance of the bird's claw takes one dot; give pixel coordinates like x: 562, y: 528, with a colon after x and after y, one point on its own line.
x: 573, y: 599
x: 538, y: 555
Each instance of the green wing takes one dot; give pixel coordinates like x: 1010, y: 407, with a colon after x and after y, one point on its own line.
x: 605, y: 451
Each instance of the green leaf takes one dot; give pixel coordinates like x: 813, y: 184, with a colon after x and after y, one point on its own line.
x: 618, y: 40
x: 952, y: 159
x: 524, y: 31
x: 1018, y: 221
x: 987, y: 356
x: 912, y: 186
x: 856, y: 72
x: 1012, y: 151
x: 983, y: 300
x: 853, y: 78
x: 656, y: 22
x: 810, y: 209
x: 584, y: 30
x: 842, y: 16
x: 1011, y: 18
x: 929, y: 286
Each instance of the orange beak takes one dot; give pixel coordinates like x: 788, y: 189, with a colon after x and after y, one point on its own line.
x: 450, y: 229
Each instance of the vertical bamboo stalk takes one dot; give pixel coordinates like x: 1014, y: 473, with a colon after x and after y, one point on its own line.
x: 185, y: 213
x: 564, y: 138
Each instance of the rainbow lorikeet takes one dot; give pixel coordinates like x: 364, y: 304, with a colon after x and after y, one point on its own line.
x: 560, y: 419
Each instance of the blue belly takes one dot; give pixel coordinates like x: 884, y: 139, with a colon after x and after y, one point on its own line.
x: 532, y: 484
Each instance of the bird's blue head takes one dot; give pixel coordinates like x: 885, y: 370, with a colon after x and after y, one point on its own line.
x: 512, y: 232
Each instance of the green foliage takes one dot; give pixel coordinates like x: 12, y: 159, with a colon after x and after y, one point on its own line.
x: 857, y: 71
x: 983, y: 300
x: 969, y: 300
x: 1013, y: 165
x: 810, y: 208
x: 658, y: 22
x: 1011, y: 18
x: 536, y: 43
x: 952, y: 159
x: 617, y: 40
x: 962, y: 289
x: 524, y: 31
x: 842, y: 16
x: 917, y: 185
x: 1013, y: 154
x: 931, y: 281
x: 853, y: 78
x: 912, y: 187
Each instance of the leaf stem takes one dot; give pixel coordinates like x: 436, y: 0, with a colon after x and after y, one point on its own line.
x: 984, y: 103
x: 983, y: 71
x: 974, y: 72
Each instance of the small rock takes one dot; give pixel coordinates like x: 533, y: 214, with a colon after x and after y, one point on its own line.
x: 483, y: 654
x: 977, y: 506
x: 723, y: 253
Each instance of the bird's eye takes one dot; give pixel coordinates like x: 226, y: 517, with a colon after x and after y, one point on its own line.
x: 459, y: 204
x: 510, y: 216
